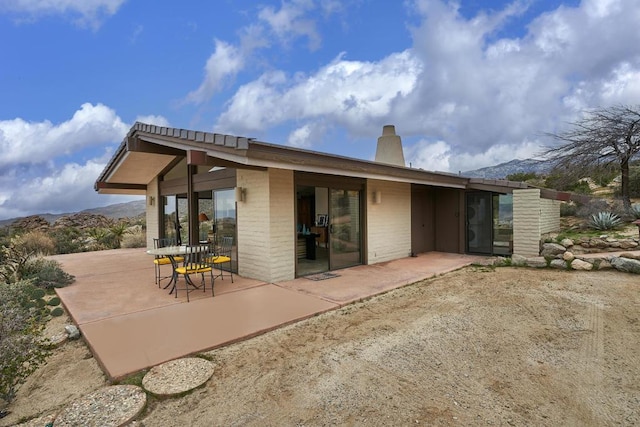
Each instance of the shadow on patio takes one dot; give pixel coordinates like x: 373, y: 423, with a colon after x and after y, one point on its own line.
x: 130, y: 324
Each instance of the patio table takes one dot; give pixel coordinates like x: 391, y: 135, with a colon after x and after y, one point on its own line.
x: 171, y: 252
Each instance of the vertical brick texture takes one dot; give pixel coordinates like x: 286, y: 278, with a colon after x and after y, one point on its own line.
x: 526, y: 222
x: 266, y: 225
x: 388, y: 223
x: 549, y: 215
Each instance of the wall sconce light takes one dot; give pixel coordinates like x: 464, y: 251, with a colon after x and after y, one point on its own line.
x: 151, y: 200
x: 241, y: 194
x: 377, y: 197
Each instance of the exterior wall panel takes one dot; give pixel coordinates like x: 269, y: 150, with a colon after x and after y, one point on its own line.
x: 526, y: 222
x: 549, y: 215
x: 266, y: 225
x: 389, y: 222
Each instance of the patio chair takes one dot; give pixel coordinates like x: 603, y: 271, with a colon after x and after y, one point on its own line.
x: 223, y: 256
x: 159, y: 261
x: 196, y: 261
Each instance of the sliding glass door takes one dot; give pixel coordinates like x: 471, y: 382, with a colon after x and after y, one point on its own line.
x: 344, y: 229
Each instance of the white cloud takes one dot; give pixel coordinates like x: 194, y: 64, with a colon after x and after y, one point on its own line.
x: 308, y: 134
x: 223, y: 64
x: 354, y: 94
x: 154, y: 120
x: 36, y: 142
x: 36, y: 175
x: 86, y: 13
x: 291, y: 21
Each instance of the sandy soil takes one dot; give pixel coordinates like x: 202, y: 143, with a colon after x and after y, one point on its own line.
x: 474, y: 347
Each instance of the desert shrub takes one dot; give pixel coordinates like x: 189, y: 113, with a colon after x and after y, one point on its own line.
x: 46, y: 274
x: 563, y: 183
x: 522, y: 176
x: 605, y: 221
x: 568, y: 209
x: 68, y: 240
x: 134, y: 240
x: 592, y: 207
x: 22, y: 348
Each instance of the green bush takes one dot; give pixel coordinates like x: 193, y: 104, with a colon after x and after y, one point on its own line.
x: 605, y: 221
x: 22, y: 347
x: 134, y: 240
x: 568, y: 209
x: 522, y: 176
x: 46, y: 273
x: 68, y: 240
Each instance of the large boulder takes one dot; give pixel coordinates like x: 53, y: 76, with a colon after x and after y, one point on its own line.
x: 627, y: 265
x: 31, y: 223
x: 83, y: 220
x: 578, y: 264
x: 550, y: 250
x: 558, y: 263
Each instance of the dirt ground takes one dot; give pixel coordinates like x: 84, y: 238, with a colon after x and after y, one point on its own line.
x: 474, y: 347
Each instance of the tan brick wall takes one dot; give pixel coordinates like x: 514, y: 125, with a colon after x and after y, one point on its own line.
x: 388, y: 223
x: 152, y: 215
x: 549, y: 215
x: 526, y: 222
x: 266, y: 225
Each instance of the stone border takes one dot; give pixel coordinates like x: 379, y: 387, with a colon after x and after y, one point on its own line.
x: 177, y: 376
x: 560, y: 257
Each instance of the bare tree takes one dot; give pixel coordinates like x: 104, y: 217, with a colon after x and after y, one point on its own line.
x: 604, y: 136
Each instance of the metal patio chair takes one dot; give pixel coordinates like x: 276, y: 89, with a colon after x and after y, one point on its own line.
x: 196, y: 262
x: 159, y: 260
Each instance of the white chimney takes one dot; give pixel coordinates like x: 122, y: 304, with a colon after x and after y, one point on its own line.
x: 389, y: 148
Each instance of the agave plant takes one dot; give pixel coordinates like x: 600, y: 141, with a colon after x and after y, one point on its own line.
x: 635, y: 210
x: 605, y: 221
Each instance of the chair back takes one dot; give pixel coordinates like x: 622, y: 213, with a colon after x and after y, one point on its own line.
x: 163, y: 242
x: 225, y: 246
x: 197, y: 256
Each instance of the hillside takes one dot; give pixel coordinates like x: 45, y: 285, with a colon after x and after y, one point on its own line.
x: 115, y: 211
x: 500, y: 171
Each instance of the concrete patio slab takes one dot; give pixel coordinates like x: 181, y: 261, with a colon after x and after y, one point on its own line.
x: 130, y: 324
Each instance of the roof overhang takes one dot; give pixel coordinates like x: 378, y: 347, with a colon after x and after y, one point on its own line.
x: 148, y: 151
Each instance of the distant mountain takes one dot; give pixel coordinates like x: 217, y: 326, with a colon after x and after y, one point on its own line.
x: 116, y: 211
x: 501, y: 171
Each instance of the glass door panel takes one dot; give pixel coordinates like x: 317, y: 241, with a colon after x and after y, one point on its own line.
x: 479, y: 223
x: 170, y: 217
x: 344, y: 228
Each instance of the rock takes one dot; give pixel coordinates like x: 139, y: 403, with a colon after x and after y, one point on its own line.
x: 568, y: 256
x: 628, y: 244
x: 31, y: 223
x: 615, y: 244
x: 559, y: 264
x: 627, y: 265
x: 604, y: 265
x: 567, y: 243
x: 83, y: 221
x: 536, y: 262
x: 630, y: 255
x: 578, y: 264
x: 500, y: 261
x: 72, y: 331
x: 518, y: 260
x: 598, y: 243
x: 552, y: 249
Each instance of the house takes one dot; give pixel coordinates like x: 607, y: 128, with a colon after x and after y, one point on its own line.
x: 294, y: 212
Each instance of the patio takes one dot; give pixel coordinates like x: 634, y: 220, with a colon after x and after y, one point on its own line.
x: 130, y: 324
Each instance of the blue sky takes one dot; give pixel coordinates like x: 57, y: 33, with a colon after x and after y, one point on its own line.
x: 467, y: 84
